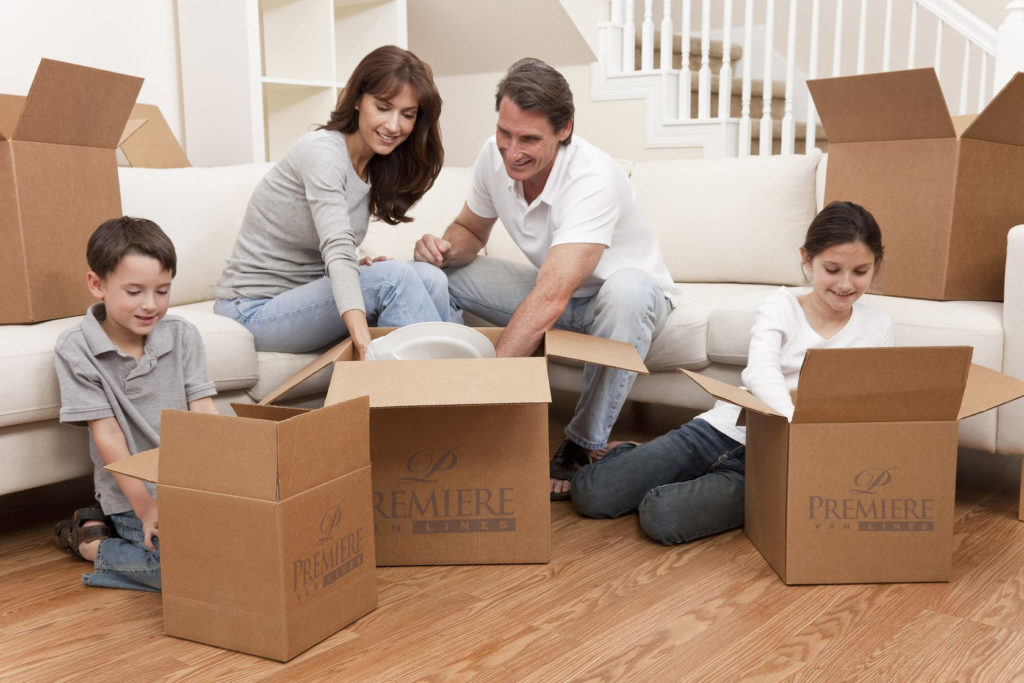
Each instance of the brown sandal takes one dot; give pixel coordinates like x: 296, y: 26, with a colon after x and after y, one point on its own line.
x: 69, y: 533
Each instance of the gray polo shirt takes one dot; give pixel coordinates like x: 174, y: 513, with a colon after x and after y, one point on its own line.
x: 98, y: 380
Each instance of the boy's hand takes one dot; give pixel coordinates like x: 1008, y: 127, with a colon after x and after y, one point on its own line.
x: 150, y: 526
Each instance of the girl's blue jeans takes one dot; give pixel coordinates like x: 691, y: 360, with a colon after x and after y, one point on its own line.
x: 395, y: 293
x: 123, y: 561
x: 684, y: 485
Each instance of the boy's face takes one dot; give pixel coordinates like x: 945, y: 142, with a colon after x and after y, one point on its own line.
x: 136, y: 295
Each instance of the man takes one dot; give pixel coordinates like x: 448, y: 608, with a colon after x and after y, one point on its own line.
x: 571, y: 210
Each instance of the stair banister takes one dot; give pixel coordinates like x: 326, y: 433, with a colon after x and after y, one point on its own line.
x: 685, y: 75
x: 1009, y: 45
x: 666, y: 36
x: 647, y: 37
x: 725, y: 71
x: 812, y: 72
x: 788, y: 121
x: 765, y: 146
x: 748, y: 33
x: 704, y: 75
x: 862, y: 36
x: 837, y: 42
x: 887, y: 37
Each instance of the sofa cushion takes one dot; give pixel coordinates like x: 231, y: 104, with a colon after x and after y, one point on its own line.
x: 200, y: 209
x: 730, y: 220
x: 26, y: 361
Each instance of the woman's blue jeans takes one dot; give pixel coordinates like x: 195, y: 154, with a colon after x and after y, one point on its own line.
x: 684, y: 485
x: 395, y: 293
x: 123, y: 561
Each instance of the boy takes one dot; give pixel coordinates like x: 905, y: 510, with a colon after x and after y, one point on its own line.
x: 118, y: 368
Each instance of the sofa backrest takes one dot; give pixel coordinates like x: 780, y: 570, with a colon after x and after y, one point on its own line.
x: 200, y: 209
x: 730, y: 220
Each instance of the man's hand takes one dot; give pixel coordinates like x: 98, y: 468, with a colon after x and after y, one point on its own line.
x: 432, y: 249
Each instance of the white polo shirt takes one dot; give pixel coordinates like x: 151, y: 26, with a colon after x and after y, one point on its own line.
x: 587, y: 199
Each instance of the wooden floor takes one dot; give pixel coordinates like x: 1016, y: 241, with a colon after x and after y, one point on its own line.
x: 611, y: 605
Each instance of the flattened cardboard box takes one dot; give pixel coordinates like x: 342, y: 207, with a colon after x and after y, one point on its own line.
x: 58, y: 181
x: 944, y: 191
x: 460, y: 448
x: 266, y: 527
x: 860, y: 486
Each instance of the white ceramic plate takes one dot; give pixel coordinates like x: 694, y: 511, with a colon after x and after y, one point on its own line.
x: 431, y: 340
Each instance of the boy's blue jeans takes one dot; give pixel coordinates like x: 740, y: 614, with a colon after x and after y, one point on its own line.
x: 629, y: 307
x: 123, y: 561
x: 395, y: 293
x: 684, y: 485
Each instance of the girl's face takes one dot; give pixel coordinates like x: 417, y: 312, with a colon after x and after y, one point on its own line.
x: 384, y: 124
x: 841, y: 274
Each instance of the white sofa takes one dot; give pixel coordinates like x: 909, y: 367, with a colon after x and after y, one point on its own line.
x: 729, y: 230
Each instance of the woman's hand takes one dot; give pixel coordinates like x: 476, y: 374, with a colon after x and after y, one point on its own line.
x: 366, y: 260
x: 358, y: 331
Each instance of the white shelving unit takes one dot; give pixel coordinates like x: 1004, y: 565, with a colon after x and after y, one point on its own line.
x: 258, y: 74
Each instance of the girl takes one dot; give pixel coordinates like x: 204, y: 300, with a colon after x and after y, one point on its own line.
x: 293, y: 279
x: 688, y: 483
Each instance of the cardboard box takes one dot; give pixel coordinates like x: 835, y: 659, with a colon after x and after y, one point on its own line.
x: 460, y: 448
x: 58, y: 181
x: 148, y: 142
x: 944, y: 191
x: 266, y: 528
x: 860, y: 486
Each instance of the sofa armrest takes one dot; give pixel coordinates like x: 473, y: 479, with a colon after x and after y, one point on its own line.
x: 1010, y: 436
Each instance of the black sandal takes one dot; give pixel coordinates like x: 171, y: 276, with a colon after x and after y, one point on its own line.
x: 69, y: 533
x: 568, y: 459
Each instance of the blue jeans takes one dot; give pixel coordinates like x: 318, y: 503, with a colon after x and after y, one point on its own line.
x: 123, y: 561
x: 629, y: 307
x: 395, y: 293
x: 684, y: 485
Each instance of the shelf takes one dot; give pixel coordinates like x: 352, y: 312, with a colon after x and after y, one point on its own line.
x: 290, y: 111
x: 297, y: 39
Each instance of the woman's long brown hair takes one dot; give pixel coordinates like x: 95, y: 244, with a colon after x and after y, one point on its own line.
x: 399, y: 179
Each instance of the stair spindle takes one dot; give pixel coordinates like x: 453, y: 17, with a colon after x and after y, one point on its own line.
x: 765, y: 147
x: 629, y: 40
x: 938, y: 49
x: 725, y: 72
x: 912, y: 42
x: 965, y: 77
x: 704, y: 75
x: 887, y: 41
x: 748, y: 36
x: 647, y: 37
x: 788, y: 120
x: 812, y: 72
x: 685, y: 75
x: 666, y: 36
x: 837, y: 41
x: 862, y: 36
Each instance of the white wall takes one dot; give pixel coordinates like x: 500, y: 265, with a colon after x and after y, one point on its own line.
x: 136, y: 37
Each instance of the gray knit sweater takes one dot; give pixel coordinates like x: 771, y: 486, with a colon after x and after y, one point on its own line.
x: 305, y: 218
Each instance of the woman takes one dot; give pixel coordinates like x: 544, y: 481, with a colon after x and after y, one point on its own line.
x: 294, y: 279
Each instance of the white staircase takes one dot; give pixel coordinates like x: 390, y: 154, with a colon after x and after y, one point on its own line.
x: 727, y: 90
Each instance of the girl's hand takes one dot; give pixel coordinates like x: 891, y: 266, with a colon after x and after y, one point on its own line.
x: 150, y: 526
x: 366, y: 260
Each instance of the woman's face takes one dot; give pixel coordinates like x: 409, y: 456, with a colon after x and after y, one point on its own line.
x: 384, y: 124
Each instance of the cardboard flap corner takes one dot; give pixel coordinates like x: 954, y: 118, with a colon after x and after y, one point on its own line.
x: 727, y: 392
x: 144, y: 465
x: 148, y: 142
x: 325, y: 359
x: 589, y: 349
x: 895, y: 105
x: 10, y: 111
x: 70, y: 104
x: 442, y: 382
x: 987, y: 389
x: 890, y: 384
x: 1000, y: 120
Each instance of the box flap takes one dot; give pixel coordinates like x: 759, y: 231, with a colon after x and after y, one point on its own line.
x: 261, y: 412
x: 448, y: 382
x: 590, y: 349
x: 728, y: 392
x: 144, y: 465
x: 148, y: 142
x: 896, y: 384
x: 1000, y: 121
x: 69, y: 104
x: 339, y: 351
x: 987, y: 389
x: 10, y: 110
x: 896, y: 105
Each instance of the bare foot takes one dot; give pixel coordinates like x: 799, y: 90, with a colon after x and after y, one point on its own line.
x: 598, y: 454
x: 559, y: 485
x: 88, y: 549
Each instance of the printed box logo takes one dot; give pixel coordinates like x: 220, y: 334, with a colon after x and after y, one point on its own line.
x: 868, y: 509
x: 337, y: 553
x: 426, y: 506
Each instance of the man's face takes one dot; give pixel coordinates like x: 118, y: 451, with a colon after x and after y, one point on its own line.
x: 527, y: 143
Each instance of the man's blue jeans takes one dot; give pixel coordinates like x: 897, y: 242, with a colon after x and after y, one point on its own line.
x: 395, y: 293
x: 123, y: 561
x: 684, y: 485
x: 629, y: 307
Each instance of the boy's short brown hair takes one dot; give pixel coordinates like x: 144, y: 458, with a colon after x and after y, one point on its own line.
x: 118, y: 237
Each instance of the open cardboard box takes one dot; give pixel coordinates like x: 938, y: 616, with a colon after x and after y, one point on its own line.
x: 859, y: 487
x: 148, y: 142
x: 460, y: 447
x: 58, y: 182
x: 266, y: 529
x: 944, y: 191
